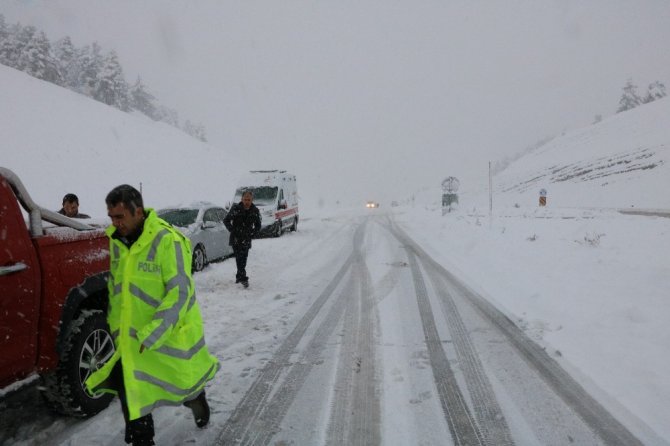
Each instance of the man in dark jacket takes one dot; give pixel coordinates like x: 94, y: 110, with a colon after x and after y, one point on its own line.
x: 244, y: 222
x: 71, y: 207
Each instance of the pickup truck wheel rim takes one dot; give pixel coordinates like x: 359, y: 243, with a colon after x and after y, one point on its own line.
x: 97, y: 349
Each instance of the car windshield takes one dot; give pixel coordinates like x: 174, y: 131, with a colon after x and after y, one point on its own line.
x: 179, y: 217
x: 263, y: 195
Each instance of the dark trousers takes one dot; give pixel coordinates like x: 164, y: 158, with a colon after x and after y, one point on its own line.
x: 241, y: 253
x: 141, y: 430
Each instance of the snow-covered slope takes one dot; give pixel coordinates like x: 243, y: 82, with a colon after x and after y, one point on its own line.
x: 58, y: 142
x: 622, y: 162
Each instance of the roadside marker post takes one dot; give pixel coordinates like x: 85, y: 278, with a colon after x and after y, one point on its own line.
x: 543, y: 197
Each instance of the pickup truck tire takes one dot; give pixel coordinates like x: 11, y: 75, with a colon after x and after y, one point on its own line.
x: 294, y: 227
x: 87, y: 346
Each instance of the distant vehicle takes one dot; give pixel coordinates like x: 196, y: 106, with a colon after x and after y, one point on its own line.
x: 53, y: 301
x: 394, y: 204
x: 202, y: 223
x: 276, y: 196
x: 371, y: 204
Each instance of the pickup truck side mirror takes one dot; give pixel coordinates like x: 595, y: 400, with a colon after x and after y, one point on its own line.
x: 208, y: 225
x: 282, y: 205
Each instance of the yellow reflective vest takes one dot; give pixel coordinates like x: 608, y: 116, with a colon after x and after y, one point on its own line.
x: 152, y: 302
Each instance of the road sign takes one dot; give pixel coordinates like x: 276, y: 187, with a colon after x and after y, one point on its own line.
x: 450, y: 184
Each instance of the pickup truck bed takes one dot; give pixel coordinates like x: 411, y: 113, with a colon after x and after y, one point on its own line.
x: 53, y: 300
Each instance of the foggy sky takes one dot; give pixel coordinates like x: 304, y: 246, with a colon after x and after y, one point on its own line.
x: 374, y: 99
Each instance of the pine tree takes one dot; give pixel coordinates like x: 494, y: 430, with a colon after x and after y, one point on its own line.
x: 200, y: 133
x: 195, y: 130
x: 4, y: 31
x: 36, y: 58
x: 11, y: 46
x: 22, y: 39
x: 4, y: 41
x: 89, y: 64
x: 8, y: 54
x: 168, y: 115
x: 655, y: 91
x: 188, y: 127
x: 143, y: 101
x: 111, y: 87
x: 629, y: 98
x: 66, y: 56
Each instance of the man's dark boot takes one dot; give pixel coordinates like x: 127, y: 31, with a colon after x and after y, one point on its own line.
x: 140, y: 432
x: 200, y: 409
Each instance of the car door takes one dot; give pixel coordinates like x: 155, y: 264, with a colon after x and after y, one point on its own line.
x: 213, y: 229
x: 281, y: 208
x: 221, y: 214
x: 19, y: 299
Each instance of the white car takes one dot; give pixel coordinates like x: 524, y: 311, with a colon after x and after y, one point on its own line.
x: 202, y: 223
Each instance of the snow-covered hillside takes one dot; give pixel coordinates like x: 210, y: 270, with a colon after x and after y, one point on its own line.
x: 621, y: 162
x: 58, y: 142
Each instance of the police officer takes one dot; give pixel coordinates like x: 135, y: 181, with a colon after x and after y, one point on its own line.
x: 161, y: 357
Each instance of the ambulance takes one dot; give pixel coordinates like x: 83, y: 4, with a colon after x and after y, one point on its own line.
x: 276, y: 196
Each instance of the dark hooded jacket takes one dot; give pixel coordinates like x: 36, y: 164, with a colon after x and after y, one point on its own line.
x: 243, y: 224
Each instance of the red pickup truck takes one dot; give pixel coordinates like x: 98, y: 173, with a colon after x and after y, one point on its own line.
x: 53, y: 301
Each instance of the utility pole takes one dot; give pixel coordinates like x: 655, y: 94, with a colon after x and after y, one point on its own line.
x: 490, y: 194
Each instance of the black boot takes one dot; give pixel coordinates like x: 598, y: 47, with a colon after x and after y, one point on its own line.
x: 140, y: 432
x: 200, y: 409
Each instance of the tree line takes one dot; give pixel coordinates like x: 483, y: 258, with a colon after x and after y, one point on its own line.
x: 631, y: 99
x: 86, y: 70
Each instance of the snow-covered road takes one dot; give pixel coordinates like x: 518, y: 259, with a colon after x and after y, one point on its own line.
x: 352, y: 334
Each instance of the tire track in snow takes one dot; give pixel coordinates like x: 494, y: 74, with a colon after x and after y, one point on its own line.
x: 356, y: 414
x: 593, y: 414
x: 237, y: 430
x: 267, y: 424
x: 462, y: 425
x: 485, y: 404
